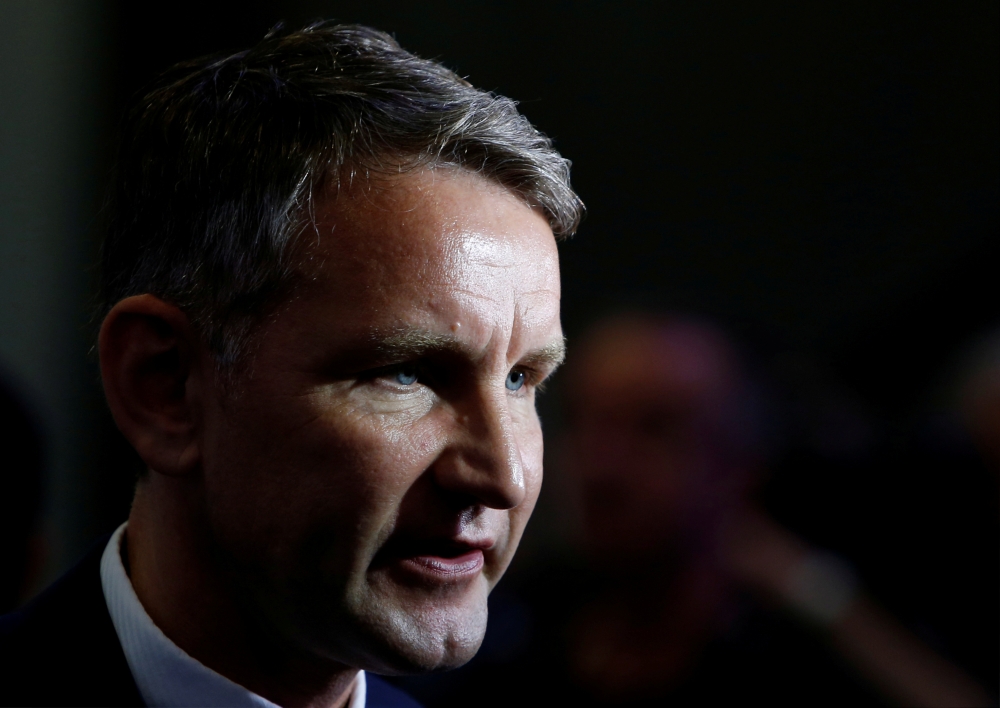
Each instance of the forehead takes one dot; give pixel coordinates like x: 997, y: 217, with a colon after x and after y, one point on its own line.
x: 433, y: 244
x: 424, y: 211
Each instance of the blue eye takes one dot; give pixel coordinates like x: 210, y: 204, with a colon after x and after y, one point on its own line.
x: 515, y: 380
x: 406, y: 376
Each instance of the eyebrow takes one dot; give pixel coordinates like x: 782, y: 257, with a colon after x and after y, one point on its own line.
x: 551, y: 355
x: 411, y: 343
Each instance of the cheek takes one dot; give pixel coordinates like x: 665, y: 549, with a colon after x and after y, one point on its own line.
x: 370, y: 459
x: 308, y: 469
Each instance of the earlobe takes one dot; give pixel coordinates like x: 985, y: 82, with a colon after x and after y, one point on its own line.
x: 150, y: 366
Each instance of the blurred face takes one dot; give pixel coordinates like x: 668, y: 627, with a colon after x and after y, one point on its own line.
x: 642, y: 449
x: 369, y: 485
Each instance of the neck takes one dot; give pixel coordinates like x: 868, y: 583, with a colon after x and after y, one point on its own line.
x: 186, y: 593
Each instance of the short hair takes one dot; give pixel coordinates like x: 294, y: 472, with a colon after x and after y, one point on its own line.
x: 219, y: 160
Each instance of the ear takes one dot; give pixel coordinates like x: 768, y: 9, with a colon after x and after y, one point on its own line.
x: 151, y: 365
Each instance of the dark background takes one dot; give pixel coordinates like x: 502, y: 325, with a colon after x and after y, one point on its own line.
x: 819, y: 178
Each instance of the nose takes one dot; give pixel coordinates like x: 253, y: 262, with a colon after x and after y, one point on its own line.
x: 483, y: 460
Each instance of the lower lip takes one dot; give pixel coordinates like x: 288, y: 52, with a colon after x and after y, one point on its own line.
x: 439, y: 568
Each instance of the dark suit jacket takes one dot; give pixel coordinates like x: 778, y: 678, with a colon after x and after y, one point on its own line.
x: 62, y: 650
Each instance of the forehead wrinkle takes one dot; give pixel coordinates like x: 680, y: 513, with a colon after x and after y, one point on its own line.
x: 473, y: 295
x: 550, y: 355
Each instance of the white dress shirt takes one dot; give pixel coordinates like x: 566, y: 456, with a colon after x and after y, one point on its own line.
x: 164, y: 674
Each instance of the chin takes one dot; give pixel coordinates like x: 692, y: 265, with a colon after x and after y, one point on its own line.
x: 430, y: 651
x: 408, y: 640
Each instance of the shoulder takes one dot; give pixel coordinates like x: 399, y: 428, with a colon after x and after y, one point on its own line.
x: 61, y: 648
x: 382, y: 694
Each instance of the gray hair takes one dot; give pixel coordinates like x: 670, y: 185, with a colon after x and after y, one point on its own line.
x: 219, y: 160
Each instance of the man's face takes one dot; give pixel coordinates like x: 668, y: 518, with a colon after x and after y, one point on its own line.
x: 369, y: 484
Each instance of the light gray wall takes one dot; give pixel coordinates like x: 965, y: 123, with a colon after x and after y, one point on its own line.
x: 49, y: 80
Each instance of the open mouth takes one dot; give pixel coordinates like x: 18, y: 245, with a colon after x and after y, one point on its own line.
x: 434, y: 559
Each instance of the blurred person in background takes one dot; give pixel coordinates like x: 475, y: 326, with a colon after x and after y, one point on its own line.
x: 977, y: 398
x: 685, y: 591
x: 664, y: 448
x: 923, y: 527
x: 20, y: 498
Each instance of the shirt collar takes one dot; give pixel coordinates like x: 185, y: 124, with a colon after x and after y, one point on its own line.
x: 164, y: 673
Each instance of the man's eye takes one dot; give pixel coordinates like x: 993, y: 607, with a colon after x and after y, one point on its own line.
x: 515, y: 380
x: 406, y: 376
